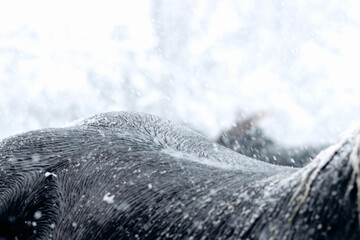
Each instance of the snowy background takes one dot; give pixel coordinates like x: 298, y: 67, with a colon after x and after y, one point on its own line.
x: 198, y: 62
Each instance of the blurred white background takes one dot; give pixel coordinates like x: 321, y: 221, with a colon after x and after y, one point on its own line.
x: 199, y: 62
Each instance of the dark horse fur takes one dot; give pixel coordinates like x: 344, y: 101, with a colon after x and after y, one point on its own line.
x: 137, y: 176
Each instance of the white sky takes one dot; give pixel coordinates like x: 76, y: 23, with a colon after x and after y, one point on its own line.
x: 297, y: 59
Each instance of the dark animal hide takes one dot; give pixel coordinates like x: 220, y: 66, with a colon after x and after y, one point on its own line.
x: 137, y: 176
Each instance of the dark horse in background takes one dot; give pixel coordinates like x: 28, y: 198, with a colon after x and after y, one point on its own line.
x: 137, y: 176
x: 247, y: 138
